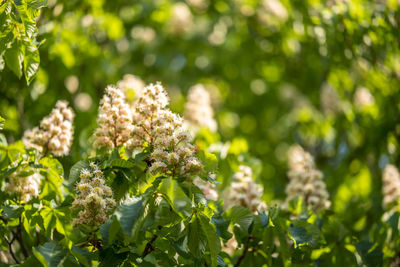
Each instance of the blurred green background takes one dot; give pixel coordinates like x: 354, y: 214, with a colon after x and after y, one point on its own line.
x: 323, y: 74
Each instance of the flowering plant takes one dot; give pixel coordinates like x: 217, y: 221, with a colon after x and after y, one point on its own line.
x: 158, y: 190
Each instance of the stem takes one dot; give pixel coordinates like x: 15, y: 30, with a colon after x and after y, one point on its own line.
x: 246, y: 248
x: 20, y: 239
x: 149, y: 246
x: 11, y: 248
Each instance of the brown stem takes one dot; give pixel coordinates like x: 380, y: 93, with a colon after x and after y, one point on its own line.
x: 149, y: 246
x: 20, y: 239
x: 11, y: 248
x: 246, y: 248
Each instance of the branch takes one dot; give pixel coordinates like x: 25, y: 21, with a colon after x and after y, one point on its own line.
x: 11, y: 248
x: 246, y: 248
x: 149, y: 246
x: 20, y: 239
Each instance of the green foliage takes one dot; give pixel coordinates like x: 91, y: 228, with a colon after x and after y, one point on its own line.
x: 18, y: 46
x: 279, y: 72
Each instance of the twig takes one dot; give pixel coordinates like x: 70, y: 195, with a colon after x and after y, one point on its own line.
x: 149, y: 246
x: 20, y: 239
x: 11, y: 248
x: 246, y: 248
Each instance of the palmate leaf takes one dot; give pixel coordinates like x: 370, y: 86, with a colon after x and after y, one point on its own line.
x: 14, y: 57
x: 36, y: 4
x: 31, y: 61
x: 110, y: 230
x: 53, y: 171
x: 196, y: 240
x: 23, y: 54
x: 76, y: 170
x: 109, y: 257
x: 176, y: 197
x: 221, y: 226
x: 12, y: 211
x: 213, y: 242
x: 241, y: 216
x: 50, y: 254
x: 370, y: 254
x: 131, y: 213
x: 304, y: 233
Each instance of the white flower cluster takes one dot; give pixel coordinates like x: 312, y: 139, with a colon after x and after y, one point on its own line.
x: 363, y: 98
x: 181, y: 18
x: 55, y: 133
x: 244, y: 191
x: 114, y: 120
x: 272, y: 11
x: 160, y: 130
x: 94, y: 198
x: 305, y: 181
x: 132, y: 86
x: 198, y: 109
x: 330, y: 100
x: 391, y: 185
x: 207, y: 188
x: 24, y: 186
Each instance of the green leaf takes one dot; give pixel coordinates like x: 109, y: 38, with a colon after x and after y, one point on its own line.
x: 209, y: 160
x: 176, y: 197
x: 76, y: 170
x: 14, y: 57
x: 108, y: 257
x: 30, y: 262
x: 50, y: 254
x: 2, y: 121
x: 213, y: 242
x: 31, y: 61
x: 130, y: 213
x: 120, y: 184
x: 165, y: 215
x: 241, y: 216
x: 264, y: 219
x: 53, y: 172
x: 82, y: 255
x: 36, y: 4
x: 121, y: 163
x: 370, y: 253
x: 12, y: 211
x: 304, y: 233
x: 221, y: 226
x: 110, y: 230
x: 195, y: 239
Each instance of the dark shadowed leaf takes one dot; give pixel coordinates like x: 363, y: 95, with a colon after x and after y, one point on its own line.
x: 130, y: 213
x: 50, y: 254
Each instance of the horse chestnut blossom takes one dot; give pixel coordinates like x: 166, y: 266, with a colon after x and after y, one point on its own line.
x: 207, y: 188
x: 132, y: 86
x: 94, y: 198
x: 391, y: 186
x: 114, y: 120
x: 363, y: 98
x: 55, y: 133
x: 159, y: 130
x: 305, y: 181
x: 244, y: 191
x: 198, y: 109
x: 25, y: 187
